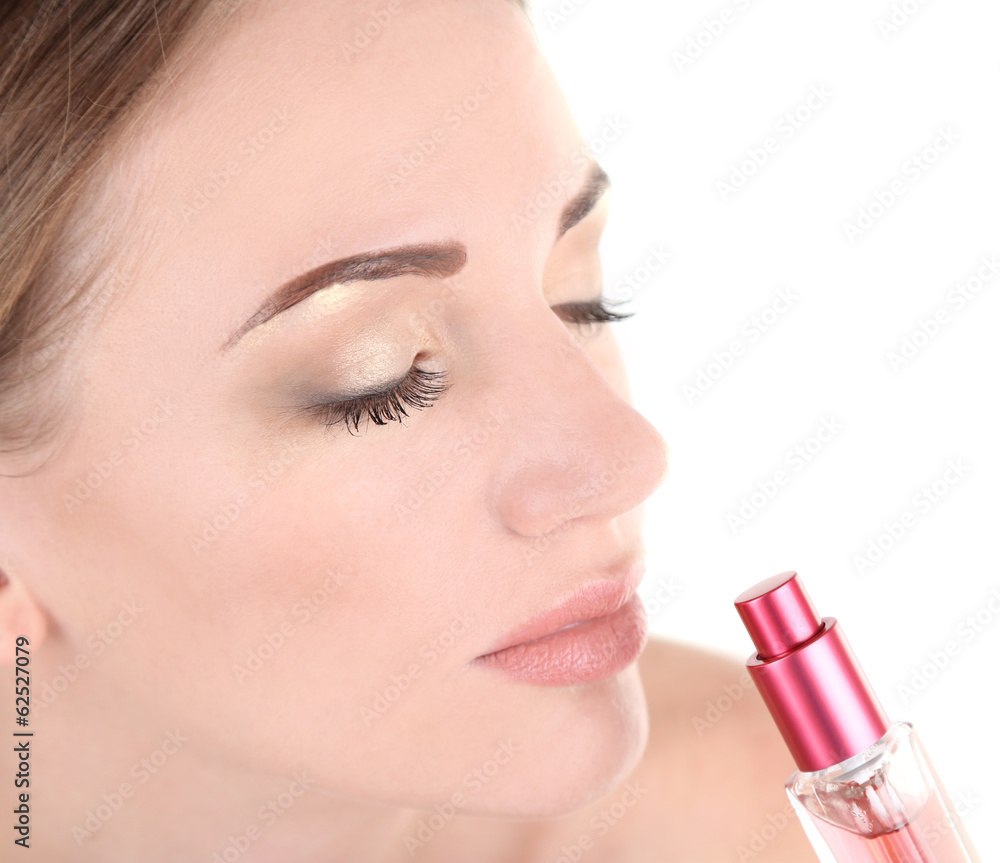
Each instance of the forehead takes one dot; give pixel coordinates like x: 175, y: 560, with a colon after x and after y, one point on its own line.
x: 355, y: 118
x: 288, y: 142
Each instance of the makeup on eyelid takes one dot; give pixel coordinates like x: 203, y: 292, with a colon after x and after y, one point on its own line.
x: 334, y: 360
x: 384, y: 348
x: 333, y: 299
x: 346, y: 350
x: 365, y: 360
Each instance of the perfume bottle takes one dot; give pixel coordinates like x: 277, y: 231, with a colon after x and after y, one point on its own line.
x: 865, y: 789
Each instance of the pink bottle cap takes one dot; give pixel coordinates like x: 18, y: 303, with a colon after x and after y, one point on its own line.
x: 808, y: 675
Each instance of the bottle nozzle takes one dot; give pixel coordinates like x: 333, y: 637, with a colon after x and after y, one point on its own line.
x: 808, y: 675
x: 778, y: 614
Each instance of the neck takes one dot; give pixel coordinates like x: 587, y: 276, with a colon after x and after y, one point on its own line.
x: 107, y: 784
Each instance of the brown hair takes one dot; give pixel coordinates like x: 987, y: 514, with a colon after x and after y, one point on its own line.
x: 70, y: 70
x: 70, y: 83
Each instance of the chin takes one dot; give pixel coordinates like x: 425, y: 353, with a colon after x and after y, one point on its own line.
x: 579, y: 744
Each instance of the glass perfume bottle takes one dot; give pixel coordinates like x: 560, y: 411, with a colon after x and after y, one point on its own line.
x: 865, y: 789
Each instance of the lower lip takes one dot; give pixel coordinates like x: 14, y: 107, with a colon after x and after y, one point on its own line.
x: 587, y: 652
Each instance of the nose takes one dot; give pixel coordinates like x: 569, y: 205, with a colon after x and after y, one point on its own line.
x: 577, y: 448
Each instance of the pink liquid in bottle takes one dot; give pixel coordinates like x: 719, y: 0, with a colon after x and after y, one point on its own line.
x: 882, y: 820
x: 934, y: 837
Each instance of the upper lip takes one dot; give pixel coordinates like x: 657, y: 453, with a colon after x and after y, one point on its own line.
x: 597, y: 598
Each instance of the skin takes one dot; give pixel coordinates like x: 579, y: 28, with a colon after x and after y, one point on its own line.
x: 540, y: 504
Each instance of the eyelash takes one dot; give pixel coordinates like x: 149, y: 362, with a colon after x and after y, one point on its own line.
x: 420, y: 388
x: 597, y: 312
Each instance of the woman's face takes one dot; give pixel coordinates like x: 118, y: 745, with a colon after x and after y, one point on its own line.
x: 302, y: 595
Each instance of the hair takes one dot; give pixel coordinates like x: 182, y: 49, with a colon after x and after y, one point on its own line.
x: 77, y: 76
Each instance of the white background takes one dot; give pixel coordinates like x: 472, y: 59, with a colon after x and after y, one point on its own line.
x: 827, y: 356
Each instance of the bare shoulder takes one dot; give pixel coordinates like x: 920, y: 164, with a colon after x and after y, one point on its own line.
x: 718, y: 758
x: 710, y: 785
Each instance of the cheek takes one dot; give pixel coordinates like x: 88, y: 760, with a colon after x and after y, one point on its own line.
x: 295, y: 605
x: 384, y: 525
x: 228, y: 532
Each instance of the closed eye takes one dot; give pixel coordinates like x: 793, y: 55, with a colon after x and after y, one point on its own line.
x: 598, y: 311
x: 419, y: 389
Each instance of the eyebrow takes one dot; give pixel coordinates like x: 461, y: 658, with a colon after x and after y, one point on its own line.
x: 434, y: 260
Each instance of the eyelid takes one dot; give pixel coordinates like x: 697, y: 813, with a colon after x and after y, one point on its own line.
x: 420, y: 389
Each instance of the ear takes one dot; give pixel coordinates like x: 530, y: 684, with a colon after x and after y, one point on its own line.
x: 20, y: 614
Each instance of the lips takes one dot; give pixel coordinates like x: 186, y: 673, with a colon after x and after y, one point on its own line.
x: 590, y: 635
